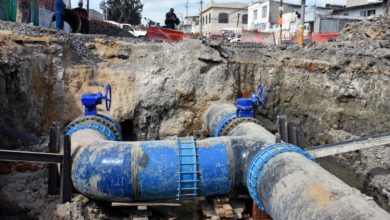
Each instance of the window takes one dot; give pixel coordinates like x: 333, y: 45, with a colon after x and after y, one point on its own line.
x: 244, y: 19
x: 206, y: 19
x: 346, y: 14
x: 210, y: 18
x: 223, y: 18
x: 363, y: 14
x: 255, y: 15
x: 202, y: 20
x: 264, y: 12
x: 371, y: 12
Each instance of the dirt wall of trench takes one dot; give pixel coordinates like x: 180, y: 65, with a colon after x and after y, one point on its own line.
x: 162, y: 90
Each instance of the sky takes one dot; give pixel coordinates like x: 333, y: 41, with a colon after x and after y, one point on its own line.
x: 156, y: 9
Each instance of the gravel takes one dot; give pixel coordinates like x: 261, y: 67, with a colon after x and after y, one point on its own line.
x: 77, y: 42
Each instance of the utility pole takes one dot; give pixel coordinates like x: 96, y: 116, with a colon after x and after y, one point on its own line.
x: 187, y: 12
x: 280, y: 21
x: 200, y: 19
x: 88, y: 9
x: 302, y: 27
x: 238, y: 19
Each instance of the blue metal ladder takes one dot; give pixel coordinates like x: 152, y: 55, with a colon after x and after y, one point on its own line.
x: 187, y: 169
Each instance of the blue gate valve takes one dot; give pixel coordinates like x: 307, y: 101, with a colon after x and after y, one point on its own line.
x: 91, y: 100
x: 245, y: 106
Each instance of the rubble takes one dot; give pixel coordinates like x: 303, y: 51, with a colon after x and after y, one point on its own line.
x: 372, y: 33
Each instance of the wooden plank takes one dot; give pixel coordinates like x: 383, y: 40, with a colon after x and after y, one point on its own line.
x: 123, y: 204
x: 66, y: 183
x: 53, y: 168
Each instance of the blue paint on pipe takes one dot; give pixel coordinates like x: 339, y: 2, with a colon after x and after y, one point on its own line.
x: 157, y: 174
x: 215, y: 174
x: 104, y: 170
x: 104, y: 173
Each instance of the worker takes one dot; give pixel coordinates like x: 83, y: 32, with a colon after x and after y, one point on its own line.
x: 171, y: 19
x: 84, y: 17
x: 23, y: 8
x: 59, y: 10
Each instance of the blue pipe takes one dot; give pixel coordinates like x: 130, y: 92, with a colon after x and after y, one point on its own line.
x: 280, y: 178
x: 259, y: 163
x: 150, y: 170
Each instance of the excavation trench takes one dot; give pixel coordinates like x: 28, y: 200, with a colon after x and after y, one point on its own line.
x: 162, y: 90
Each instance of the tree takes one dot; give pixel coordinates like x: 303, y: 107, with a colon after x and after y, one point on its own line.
x: 123, y: 11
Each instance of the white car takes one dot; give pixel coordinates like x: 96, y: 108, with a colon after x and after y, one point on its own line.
x: 133, y: 31
x: 237, y: 38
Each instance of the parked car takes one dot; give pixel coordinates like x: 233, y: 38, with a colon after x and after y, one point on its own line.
x: 236, y: 38
x: 133, y: 31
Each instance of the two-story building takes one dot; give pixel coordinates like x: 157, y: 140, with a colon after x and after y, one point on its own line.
x: 217, y: 17
x: 263, y: 15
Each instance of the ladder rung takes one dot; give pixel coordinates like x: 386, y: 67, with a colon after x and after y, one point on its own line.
x: 188, y: 155
x: 187, y: 172
x: 186, y: 142
x: 187, y: 163
x: 187, y: 188
x: 186, y: 148
x: 187, y: 181
x: 181, y: 195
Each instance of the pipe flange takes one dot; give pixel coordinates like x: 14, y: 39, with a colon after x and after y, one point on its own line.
x: 236, y: 122
x: 256, y: 168
x: 223, y: 122
x: 99, y: 119
x: 188, y: 170
x: 94, y: 126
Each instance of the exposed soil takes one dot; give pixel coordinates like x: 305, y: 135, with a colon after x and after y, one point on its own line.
x: 335, y: 91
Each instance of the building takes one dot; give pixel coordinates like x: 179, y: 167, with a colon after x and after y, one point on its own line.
x: 263, y: 15
x: 217, y: 17
x: 360, y: 11
x: 193, y: 21
x: 351, y: 3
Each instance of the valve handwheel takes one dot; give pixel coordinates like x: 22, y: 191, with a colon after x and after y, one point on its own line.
x: 261, y: 95
x: 108, y: 97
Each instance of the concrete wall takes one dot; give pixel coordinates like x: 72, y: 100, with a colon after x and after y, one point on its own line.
x: 329, y: 24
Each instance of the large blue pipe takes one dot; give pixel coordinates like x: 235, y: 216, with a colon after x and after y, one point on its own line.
x: 149, y: 170
x: 185, y: 169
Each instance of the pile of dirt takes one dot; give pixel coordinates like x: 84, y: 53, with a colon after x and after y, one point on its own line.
x: 373, y: 32
x: 108, y: 29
